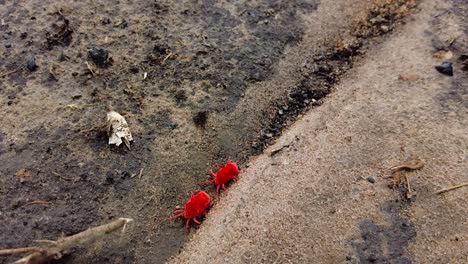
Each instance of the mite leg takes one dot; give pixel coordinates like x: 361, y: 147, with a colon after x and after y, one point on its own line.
x: 176, y: 216
x: 196, y: 221
x: 206, y: 182
x: 187, y: 225
x: 212, y: 174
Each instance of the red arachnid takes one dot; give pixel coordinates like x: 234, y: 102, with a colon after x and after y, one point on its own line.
x: 194, y: 207
x: 223, y: 175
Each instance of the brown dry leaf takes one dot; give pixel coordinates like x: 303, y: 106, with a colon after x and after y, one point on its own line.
x: 410, y: 77
x: 443, y: 55
x: 23, y: 173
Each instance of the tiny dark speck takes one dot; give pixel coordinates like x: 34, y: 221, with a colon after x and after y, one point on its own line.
x: 371, y: 179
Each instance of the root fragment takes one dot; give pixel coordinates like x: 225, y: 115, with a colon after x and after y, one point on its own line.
x: 56, y: 249
x: 452, y: 188
x: 396, y: 174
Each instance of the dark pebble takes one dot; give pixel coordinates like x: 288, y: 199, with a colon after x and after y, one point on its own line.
x: 445, y: 68
x: 31, y: 64
x: 8, y: 45
x: 371, y: 179
x: 99, y: 56
x: 23, y: 35
x: 134, y: 70
x: 76, y: 96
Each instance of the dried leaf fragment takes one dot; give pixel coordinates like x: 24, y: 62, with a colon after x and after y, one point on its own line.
x: 118, y: 130
x: 23, y: 173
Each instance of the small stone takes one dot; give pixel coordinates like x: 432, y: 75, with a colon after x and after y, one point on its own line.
x: 280, y: 112
x: 99, y: 56
x: 445, y: 68
x: 8, y: 45
x: 269, y: 135
x: 384, y: 28
x: 76, y: 96
x: 371, y: 179
x: 31, y: 63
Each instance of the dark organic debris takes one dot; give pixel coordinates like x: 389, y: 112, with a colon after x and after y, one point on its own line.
x: 61, y: 32
x: 180, y: 96
x: 100, y: 57
x: 445, y: 68
x: 464, y: 60
x: 31, y: 63
x: 200, y: 118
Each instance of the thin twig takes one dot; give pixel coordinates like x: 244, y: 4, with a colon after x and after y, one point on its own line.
x: 8, y: 73
x: 141, y: 172
x: 45, y: 241
x: 277, y: 150
x: 90, y: 68
x: 167, y: 57
x: 36, y: 202
x: 58, y: 248
x: 452, y: 188
x: 61, y: 177
x: 414, y: 164
x: 13, y: 251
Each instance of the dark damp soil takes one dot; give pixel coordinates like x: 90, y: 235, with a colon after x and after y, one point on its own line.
x: 168, y: 67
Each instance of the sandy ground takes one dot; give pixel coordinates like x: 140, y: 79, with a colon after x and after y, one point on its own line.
x: 312, y: 202
x: 223, y: 80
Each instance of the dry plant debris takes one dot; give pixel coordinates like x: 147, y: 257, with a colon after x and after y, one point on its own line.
x: 118, y: 130
x: 56, y: 249
x: 451, y: 188
x: 414, y: 164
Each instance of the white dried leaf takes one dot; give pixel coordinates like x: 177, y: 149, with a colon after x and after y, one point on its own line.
x: 118, y: 129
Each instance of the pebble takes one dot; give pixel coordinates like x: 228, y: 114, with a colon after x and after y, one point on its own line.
x: 31, y: 63
x: 76, y: 96
x: 8, y: 45
x: 371, y: 179
x: 445, y: 68
x: 99, y: 56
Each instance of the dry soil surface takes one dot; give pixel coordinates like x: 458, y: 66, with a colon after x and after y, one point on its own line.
x: 324, y: 197
x: 205, y: 81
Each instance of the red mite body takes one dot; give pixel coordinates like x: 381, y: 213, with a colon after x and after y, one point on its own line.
x: 194, y: 207
x: 223, y: 175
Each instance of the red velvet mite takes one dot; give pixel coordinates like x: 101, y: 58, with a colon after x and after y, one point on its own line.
x: 223, y: 175
x: 194, y: 207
